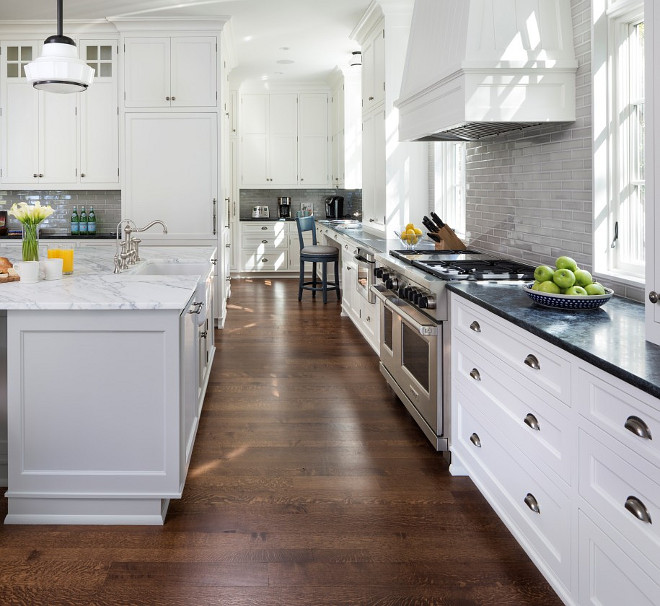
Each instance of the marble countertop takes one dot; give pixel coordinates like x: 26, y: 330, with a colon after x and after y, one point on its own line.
x: 94, y: 286
x: 611, y: 337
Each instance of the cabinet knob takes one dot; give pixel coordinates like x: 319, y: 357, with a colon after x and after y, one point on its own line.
x: 173, y: 98
x: 167, y: 98
x: 82, y: 175
x: 533, y: 362
x: 264, y: 260
x: 35, y: 175
x: 371, y: 98
x: 638, y: 427
x: 476, y: 440
x: 474, y: 373
x: 653, y: 297
x: 638, y: 509
x: 41, y: 175
x: 197, y: 306
x: 532, y: 421
x: 532, y: 503
x: 475, y: 326
x: 203, y: 334
x: 264, y: 241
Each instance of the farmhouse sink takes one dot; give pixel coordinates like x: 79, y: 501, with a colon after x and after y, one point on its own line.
x: 163, y: 268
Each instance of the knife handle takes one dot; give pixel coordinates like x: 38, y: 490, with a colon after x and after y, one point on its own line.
x: 437, y: 220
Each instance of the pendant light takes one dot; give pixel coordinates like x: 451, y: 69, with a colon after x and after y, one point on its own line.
x: 59, y: 70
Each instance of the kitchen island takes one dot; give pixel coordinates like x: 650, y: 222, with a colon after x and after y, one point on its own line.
x: 103, y: 387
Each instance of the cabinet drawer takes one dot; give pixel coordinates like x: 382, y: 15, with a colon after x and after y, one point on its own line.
x: 512, y: 485
x: 519, y: 350
x: 628, y: 419
x: 274, y: 260
x: 535, y: 426
x: 271, y: 229
x: 614, y: 486
x: 610, y: 576
x: 264, y: 243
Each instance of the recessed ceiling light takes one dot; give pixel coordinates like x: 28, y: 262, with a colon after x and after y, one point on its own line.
x: 284, y: 48
x: 285, y: 61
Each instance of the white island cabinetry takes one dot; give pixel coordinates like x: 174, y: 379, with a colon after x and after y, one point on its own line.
x: 106, y: 376
x: 564, y: 453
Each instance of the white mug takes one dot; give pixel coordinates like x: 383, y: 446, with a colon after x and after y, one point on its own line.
x: 28, y: 271
x: 52, y: 268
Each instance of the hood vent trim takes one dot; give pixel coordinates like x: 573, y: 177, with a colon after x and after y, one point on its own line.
x: 474, y: 71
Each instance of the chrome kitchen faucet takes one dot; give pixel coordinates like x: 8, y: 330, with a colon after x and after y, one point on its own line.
x: 127, y: 249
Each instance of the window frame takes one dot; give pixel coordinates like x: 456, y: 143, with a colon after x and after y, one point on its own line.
x: 612, y: 147
x: 448, y: 198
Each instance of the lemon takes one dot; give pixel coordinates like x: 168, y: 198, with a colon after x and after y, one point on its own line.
x: 410, y: 226
x: 418, y: 231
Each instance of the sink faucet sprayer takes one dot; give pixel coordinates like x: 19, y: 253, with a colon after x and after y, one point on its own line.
x: 127, y: 249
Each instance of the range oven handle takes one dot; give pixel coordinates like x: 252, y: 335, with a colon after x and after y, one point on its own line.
x: 416, y: 319
x: 362, y: 259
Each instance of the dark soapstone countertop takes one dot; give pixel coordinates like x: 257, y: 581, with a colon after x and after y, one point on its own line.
x: 611, y: 337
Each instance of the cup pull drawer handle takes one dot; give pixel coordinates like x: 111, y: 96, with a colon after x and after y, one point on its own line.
x: 532, y: 422
x: 638, y: 427
x: 533, y: 362
x: 532, y: 503
x: 264, y: 241
x: 475, y: 326
x: 474, y: 438
x: 264, y: 227
x: 638, y: 509
x: 474, y: 373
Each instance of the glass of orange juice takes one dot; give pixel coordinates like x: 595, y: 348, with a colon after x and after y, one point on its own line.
x: 67, y: 260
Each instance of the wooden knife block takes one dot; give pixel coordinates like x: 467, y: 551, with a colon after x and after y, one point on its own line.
x: 450, y: 241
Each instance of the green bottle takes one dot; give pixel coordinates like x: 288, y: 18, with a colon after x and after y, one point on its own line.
x: 91, y: 222
x: 75, y: 222
x: 83, y: 222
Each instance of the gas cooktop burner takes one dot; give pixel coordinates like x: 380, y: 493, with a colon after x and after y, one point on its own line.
x: 477, y: 269
x: 431, y: 252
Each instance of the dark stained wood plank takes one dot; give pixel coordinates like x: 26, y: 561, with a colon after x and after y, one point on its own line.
x: 309, y: 485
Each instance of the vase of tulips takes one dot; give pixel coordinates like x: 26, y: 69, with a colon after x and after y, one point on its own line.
x: 30, y: 215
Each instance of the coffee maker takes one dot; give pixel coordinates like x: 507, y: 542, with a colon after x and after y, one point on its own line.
x: 334, y: 207
x: 284, y: 206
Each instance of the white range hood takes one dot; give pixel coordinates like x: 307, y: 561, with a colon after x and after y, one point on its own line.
x: 476, y: 68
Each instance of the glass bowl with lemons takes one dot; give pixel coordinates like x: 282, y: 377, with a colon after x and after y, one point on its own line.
x: 410, y: 236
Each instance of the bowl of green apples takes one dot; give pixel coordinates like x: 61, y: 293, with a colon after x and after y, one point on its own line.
x: 566, y: 286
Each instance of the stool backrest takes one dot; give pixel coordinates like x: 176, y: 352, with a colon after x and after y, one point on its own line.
x: 306, y: 224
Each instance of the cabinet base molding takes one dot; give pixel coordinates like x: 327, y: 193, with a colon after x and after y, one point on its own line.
x: 106, y: 510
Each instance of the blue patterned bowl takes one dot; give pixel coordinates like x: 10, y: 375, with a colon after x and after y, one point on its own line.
x: 576, y: 302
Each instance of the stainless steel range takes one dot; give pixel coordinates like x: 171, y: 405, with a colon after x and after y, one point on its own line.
x: 414, y: 343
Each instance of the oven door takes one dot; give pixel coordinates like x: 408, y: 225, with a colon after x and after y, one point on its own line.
x: 365, y: 277
x: 409, y: 348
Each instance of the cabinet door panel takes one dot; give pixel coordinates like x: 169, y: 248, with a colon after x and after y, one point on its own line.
x: 313, y: 139
x: 254, y: 159
x: 283, y: 115
x: 59, y: 138
x: 193, y: 78
x: 99, y: 140
x: 22, y: 135
x: 147, y: 72
x: 171, y: 170
x: 282, y: 153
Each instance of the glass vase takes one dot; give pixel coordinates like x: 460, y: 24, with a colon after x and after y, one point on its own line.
x: 30, y: 242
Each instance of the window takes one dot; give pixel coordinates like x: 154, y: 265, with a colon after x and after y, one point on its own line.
x: 449, y: 184
x: 619, y: 135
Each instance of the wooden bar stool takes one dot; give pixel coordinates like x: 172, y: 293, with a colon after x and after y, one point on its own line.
x: 316, y: 254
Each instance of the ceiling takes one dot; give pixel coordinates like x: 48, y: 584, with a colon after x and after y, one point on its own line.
x: 274, y: 40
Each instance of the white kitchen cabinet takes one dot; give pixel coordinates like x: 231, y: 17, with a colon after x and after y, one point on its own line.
x: 190, y: 381
x: 99, y: 117
x: 313, y: 141
x: 171, y: 172
x: 264, y: 246
x: 41, y: 129
x: 170, y: 71
x: 294, y: 247
x: 652, y: 172
x: 346, y: 130
x: 587, y: 448
x: 284, y: 140
x: 395, y: 174
x: 56, y: 141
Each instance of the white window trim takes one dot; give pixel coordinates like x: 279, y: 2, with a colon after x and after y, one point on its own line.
x: 448, y: 199
x: 608, y: 15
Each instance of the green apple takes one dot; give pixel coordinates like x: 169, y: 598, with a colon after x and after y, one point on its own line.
x: 543, y: 273
x: 549, y: 286
x: 576, y: 290
x: 564, y: 278
x: 583, y: 277
x: 536, y: 285
x: 566, y: 263
x: 595, y: 289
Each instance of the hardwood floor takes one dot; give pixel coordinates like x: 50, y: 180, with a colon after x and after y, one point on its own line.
x: 309, y: 485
